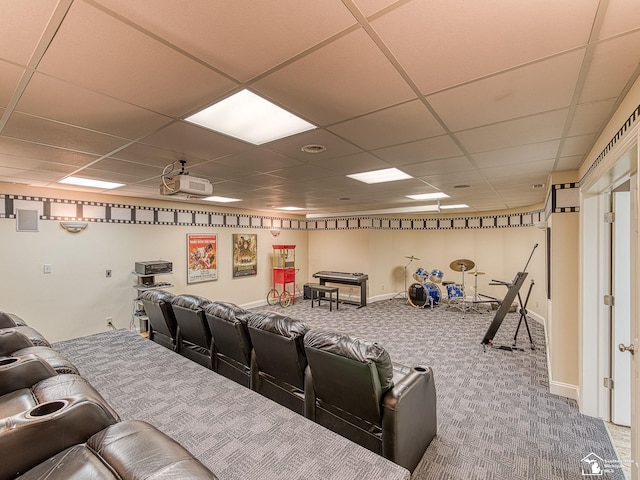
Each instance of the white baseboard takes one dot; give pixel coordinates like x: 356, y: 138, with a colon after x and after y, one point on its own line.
x: 564, y: 390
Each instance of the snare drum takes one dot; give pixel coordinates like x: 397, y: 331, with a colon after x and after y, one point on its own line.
x: 421, y: 275
x: 436, y: 276
x: 423, y: 294
x: 455, y: 290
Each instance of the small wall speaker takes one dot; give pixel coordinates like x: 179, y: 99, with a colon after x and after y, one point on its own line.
x: 27, y: 220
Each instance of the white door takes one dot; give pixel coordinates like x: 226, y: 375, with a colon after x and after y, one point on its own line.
x: 621, y: 310
x: 635, y: 332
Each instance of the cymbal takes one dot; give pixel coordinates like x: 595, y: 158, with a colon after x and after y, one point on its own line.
x: 413, y: 258
x: 477, y: 273
x: 461, y: 265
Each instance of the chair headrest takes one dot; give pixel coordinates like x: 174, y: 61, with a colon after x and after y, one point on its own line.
x: 352, y: 347
x: 157, y: 296
x: 194, y: 302
x: 10, y: 320
x: 279, y: 324
x: 228, y: 311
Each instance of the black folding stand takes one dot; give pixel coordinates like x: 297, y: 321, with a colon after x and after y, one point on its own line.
x: 503, y: 309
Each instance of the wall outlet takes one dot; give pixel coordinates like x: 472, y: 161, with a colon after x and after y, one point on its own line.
x: 381, y: 287
x: 46, y: 268
x: 108, y: 273
x: 110, y: 323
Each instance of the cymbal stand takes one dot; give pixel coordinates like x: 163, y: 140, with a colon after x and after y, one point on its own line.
x: 403, y: 293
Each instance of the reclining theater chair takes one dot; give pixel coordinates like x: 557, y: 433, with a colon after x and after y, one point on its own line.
x: 231, y: 344
x: 359, y: 396
x: 10, y: 320
x: 194, y: 338
x: 278, y: 364
x: 15, y: 345
x: 40, y: 420
x: 162, y: 321
x: 129, y: 449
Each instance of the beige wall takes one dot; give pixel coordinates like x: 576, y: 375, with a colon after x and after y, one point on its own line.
x: 76, y: 298
x: 563, y: 320
x: 499, y: 252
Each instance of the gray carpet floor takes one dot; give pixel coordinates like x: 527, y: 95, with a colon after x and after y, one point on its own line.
x: 496, y: 417
x: 237, y: 433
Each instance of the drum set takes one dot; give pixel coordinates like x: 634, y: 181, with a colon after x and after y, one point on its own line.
x: 426, y: 291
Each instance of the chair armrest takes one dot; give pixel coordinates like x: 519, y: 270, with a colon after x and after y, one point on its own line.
x: 34, y: 435
x: 11, y: 341
x: 22, y: 371
x: 409, y: 420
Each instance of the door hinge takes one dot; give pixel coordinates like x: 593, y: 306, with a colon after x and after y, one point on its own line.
x: 609, y: 300
x: 609, y: 217
x: 608, y: 383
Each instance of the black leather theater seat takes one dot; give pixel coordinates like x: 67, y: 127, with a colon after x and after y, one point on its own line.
x: 126, y: 450
x: 355, y: 390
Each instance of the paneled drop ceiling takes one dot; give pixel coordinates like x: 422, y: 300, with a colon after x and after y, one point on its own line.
x: 493, y: 94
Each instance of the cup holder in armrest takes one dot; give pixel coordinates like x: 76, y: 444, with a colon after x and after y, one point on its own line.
x: 47, y: 408
x: 420, y: 369
x: 7, y: 361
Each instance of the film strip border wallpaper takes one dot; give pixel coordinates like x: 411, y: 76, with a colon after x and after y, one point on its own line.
x: 565, y: 198
x: 87, y: 211
x: 616, y: 138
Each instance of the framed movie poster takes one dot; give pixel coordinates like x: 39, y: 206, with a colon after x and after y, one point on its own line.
x: 202, y: 257
x: 245, y: 255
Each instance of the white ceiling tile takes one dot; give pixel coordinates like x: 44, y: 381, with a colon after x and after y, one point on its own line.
x: 110, y: 81
x: 441, y: 44
x: 536, y: 128
x: 20, y: 36
x: 10, y: 75
x: 622, y: 15
x: 403, y: 123
x: 196, y: 142
x: 587, y: 117
x: 155, y: 74
x: 343, y: 79
x: 51, y: 98
x: 420, y: 151
x: 611, y: 67
x: 38, y: 130
x: 270, y: 33
x: 519, y: 154
x: 535, y: 88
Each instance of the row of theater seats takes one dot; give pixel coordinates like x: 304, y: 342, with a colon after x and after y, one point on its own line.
x: 346, y: 384
x: 55, y: 425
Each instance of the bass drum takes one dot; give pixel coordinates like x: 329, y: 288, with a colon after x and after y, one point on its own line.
x: 421, y: 295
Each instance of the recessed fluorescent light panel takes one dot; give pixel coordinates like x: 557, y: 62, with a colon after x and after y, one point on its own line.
x: 251, y: 118
x: 461, y: 205
x: 88, y: 182
x: 380, y: 176
x: 428, y: 196
x: 290, y: 209
x: 221, y: 199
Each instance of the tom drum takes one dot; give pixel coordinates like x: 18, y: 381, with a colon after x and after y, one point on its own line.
x: 421, y: 275
x: 436, y: 276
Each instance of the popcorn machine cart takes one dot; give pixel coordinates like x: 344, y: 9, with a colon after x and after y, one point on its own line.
x: 284, y: 273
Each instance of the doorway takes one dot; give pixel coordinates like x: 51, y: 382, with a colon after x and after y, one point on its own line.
x: 609, y: 267
x: 619, y: 220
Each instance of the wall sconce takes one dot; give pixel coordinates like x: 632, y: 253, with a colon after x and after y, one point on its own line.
x: 73, y: 227
x: 275, y: 233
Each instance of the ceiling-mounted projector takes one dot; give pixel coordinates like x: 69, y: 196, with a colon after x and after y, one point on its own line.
x: 183, y: 183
